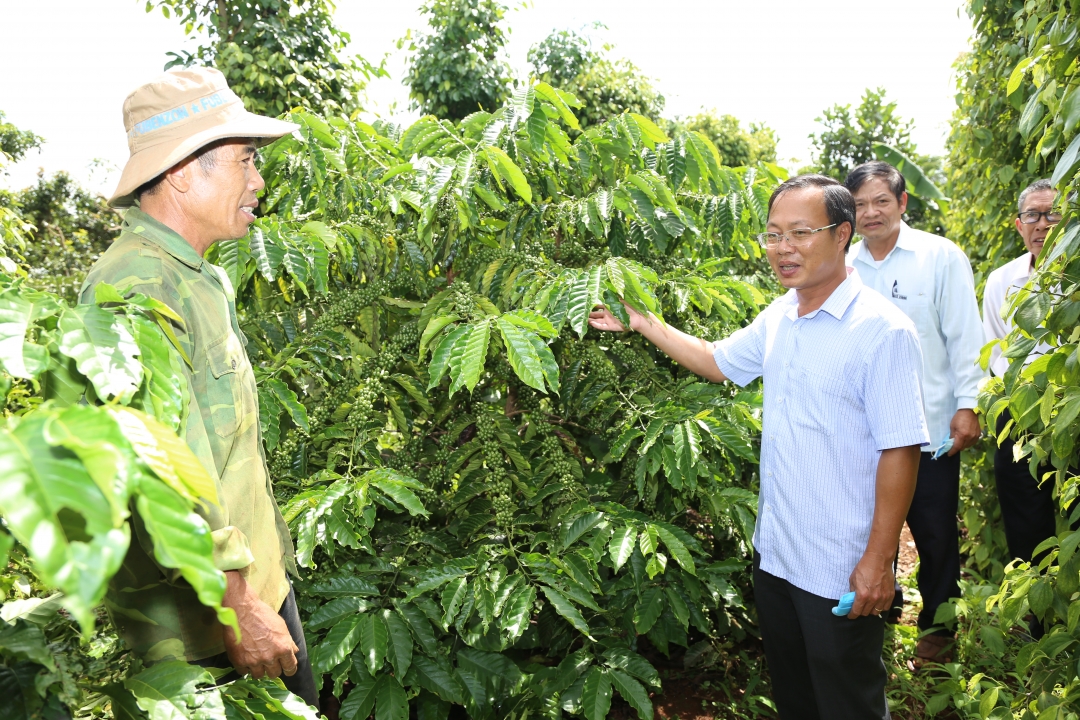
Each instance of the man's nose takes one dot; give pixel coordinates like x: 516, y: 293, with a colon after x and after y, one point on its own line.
x: 257, y: 183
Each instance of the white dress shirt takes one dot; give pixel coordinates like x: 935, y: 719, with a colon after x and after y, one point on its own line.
x: 1000, y: 286
x: 929, y: 278
x: 841, y: 384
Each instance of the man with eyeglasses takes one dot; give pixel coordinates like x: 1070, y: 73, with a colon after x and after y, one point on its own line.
x: 1027, y: 510
x: 929, y: 278
x: 842, y: 427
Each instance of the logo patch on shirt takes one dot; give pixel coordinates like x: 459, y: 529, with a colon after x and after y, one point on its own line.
x: 896, y: 292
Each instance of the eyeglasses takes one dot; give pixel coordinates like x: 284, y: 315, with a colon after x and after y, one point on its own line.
x: 797, y: 237
x: 1030, y: 217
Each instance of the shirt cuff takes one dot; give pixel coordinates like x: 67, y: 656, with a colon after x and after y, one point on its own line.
x: 231, y: 549
x: 968, y: 402
x: 740, y: 378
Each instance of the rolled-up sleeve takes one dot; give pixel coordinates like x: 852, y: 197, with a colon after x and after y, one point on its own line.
x: 741, y: 355
x: 892, y: 389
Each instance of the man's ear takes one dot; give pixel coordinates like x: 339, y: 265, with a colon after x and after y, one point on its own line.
x: 903, y: 202
x: 180, y: 175
x: 843, y: 233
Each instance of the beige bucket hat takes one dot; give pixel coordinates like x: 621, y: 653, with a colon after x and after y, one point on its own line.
x: 173, y: 116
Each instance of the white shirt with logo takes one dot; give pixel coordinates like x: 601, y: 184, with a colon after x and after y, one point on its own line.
x: 929, y: 278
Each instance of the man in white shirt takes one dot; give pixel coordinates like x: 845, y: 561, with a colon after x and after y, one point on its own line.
x: 1028, y: 510
x: 929, y: 278
x: 841, y: 430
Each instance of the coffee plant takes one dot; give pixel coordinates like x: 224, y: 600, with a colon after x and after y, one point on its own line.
x: 495, y: 508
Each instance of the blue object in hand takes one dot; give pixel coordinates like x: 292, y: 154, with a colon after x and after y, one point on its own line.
x: 945, y: 447
x: 846, y: 603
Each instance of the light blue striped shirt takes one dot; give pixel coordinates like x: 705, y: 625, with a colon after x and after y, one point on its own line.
x: 929, y: 278
x: 841, y: 384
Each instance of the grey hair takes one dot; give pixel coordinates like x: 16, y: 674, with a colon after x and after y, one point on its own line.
x: 206, y: 156
x: 1037, y: 186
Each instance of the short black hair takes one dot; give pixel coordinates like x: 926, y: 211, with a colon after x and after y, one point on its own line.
x: 876, y: 169
x: 839, y: 204
x: 1036, y: 186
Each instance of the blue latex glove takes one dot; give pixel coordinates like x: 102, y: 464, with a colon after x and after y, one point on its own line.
x: 943, y: 448
x: 846, y: 603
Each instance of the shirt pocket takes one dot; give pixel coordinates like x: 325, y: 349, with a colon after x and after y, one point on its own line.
x: 223, y: 392
x: 826, y: 396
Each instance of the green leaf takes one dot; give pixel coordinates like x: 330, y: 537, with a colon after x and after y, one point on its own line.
x: 633, y: 693
x: 584, y: 296
x: 677, y: 549
x: 166, y: 454
x: 394, y: 485
x: 579, y: 527
x: 510, y: 172
x: 453, y: 595
x: 631, y: 662
x: 467, y: 364
x: 37, y: 481
x: 399, y: 649
x: 343, y: 587
x: 434, y: 678
x: 419, y: 625
x: 522, y: 354
x: 1066, y: 165
x: 495, y: 670
x: 1017, y: 76
x: 267, y: 253
x: 433, y: 579
x: 16, y: 314
x: 918, y: 183
x: 434, y: 327
x: 182, y: 542
x: 556, y: 98
x: 163, y: 396
x: 26, y: 642
x: 169, y: 690
x: 648, y: 609
x: 361, y: 700
x: 290, y: 402
x: 621, y: 546
x: 518, y: 611
x: 338, y: 644
x: 563, y: 607
x: 233, y: 257
x: 373, y: 641
x: 332, y: 612
x: 104, y: 350
x: 391, y: 702
x: 596, y: 695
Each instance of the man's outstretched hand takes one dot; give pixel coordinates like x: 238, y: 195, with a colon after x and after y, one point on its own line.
x: 602, y: 319
x: 266, y: 647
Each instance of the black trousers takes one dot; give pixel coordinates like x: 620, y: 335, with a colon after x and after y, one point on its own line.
x: 823, y: 667
x: 934, y: 527
x: 1028, y: 511
x: 303, y: 682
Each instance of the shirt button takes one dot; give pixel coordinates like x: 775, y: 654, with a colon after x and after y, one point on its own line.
x: 780, y: 401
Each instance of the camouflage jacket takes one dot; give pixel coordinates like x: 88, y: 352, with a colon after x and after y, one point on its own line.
x: 156, y: 612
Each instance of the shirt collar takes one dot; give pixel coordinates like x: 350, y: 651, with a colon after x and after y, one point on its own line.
x: 138, y: 222
x: 905, y: 241
x: 836, y: 304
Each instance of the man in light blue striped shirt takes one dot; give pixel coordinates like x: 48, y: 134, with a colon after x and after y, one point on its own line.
x: 842, y: 427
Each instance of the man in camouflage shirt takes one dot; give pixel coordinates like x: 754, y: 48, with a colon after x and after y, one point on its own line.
x: 193, y: 178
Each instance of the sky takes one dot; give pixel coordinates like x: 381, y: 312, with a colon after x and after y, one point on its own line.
x: 70, y: 63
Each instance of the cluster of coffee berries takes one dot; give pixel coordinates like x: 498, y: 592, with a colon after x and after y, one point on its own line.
x: 629, y: 357
x: 505, y: 510
x: 348, y: 305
